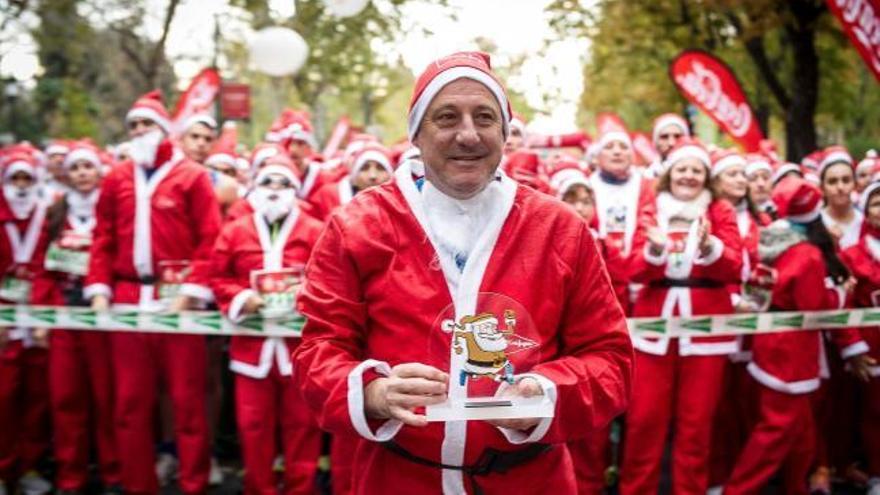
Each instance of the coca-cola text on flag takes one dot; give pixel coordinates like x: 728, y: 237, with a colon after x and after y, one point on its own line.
x: 861, y: 22
x: 710, y: 84
x: 197, y: 99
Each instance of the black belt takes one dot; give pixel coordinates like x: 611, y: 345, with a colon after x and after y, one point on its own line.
x: 150, y: 280
x: 490, y: 461
x: 699, y: 283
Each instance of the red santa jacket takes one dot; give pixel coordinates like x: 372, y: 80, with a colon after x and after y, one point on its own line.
x: 791, y: 362
x: 863, y: 260
x: 243, y: 247
x: 22, y: 245
x: 376, y: 294
x: 680, y: 282
x: 50, y: 283
x: 171, y: 216
x: 330, y: 197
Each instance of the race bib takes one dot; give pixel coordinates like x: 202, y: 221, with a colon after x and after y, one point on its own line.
x: 15, y: 289
x: 278, y: 289
x: 172, y: 274
x: 69, y: 254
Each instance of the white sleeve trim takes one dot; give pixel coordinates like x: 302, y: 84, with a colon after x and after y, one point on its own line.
x: 518, y: 437
x: 356, y: 403
x: 234, y: 312
x: 197, y: 291
x: 773, y: 383
x: 93, y: 290
x: 717, y: 249
x: 656, y: 260
x: 851, y: 350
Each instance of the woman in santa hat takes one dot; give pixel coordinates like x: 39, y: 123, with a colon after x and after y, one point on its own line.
x: 837, y: 179
x: 798, y: 253
x: 865, y: 170
x: 368, y: 167
x: 80, y: 377
x: 257, y: 264
x: 759, y: 173
x: 686, y: 264
x: 863, y: 260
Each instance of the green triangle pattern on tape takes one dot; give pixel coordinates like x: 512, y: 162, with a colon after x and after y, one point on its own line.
x: 834, y: 319
x: 870, y: 316
x: 701, y: 324
x: 794, y: 321
x: 171, y: 321
x: 7, y: 314
x: 129, y: 318
x: 252, y: 323
x: 748, y: 323
x: 295, y: 324
x: 212, y: 321
x: 658, y: 326
x: 47, y: 315
x: 87, y: 317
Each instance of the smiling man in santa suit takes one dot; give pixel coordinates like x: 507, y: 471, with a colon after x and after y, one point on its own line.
x: 402, y: 256
x: 157, y: 219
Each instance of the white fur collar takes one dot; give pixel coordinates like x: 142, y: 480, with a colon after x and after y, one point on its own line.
x: 669, y: 207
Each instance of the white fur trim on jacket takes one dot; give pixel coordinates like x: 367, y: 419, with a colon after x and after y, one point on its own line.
x: 197, y: 291
x: 773, y: 383
x: 272, y: 347
x: 851, y: 350
x: 356, y: 403
x: 93, y: 290
x: 237, y: 303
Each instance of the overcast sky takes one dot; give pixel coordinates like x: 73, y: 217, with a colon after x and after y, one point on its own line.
x: 515, y: 26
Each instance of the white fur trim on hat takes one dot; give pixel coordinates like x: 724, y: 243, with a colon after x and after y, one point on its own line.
x: 81, y: 154
x: 19, y: 166
x: 666, y: 121
x: 278, y: 170
x: 206, y: 120
x: 782, y: 170
x: 148, y: 113
x: 297, y: 132
x: 863, y: 199
x: 57, y: 149
x: 754, y: 167
x: 866, y: 163
x: 727, y: 162
x: 612, y: 136
x: 836, y: 156
x: 441, y: 80
x: 371, y: 155
x: 687, y: 151
x: 570, y: 182
x: 808, y: 216
x: 221, y: 159
x: 263, y: 155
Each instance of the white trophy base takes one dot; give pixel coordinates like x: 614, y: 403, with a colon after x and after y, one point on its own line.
x: 474, y: 408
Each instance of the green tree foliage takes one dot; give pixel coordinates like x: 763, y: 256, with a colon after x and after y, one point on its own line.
x: 806, y: 82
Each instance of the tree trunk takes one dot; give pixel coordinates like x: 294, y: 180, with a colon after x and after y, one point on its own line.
x: 800, y: 124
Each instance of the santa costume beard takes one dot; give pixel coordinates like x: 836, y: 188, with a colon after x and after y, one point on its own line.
x: 143, y: 148
x: 272, y: 204
x: 495, y: 343
x: 21, y: 200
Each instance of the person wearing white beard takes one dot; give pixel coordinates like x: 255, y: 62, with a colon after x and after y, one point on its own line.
x: 156, y: 221
x: 80, y: 376
x: 24, y: 403
x: 273, y: 242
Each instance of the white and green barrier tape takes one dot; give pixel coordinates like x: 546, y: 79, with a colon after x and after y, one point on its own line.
x: 213, y: 322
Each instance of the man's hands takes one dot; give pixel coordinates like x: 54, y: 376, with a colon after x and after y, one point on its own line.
x: 252, y: 304
x: 860, y: 365
x: 526, y: 387
x: 409, y: 386
x: 100, y: 303
x: 656, y: 240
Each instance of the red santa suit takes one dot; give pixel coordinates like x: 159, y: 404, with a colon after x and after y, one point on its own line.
x: 24, y: 394
x: 679, y: 382
x: 143, y: 224
x: 334, y: 195
x: 267, y: 400
x: 863, y: 260
x: 787, y: 365
x: 80, y: 376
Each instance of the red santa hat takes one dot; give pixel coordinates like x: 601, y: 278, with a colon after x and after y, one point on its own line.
x: 204, y: 119
x: 262, y: 152
x: 19, y: 161
x: 811, y: 161
x: 797, y: 200
x: 833, y: 155
x: 298, y: 127
x: 461, y: 65
x: 873, y: 187
x: 371, y: 152
x: 668, y: 119
x: 783, y: 168
x: 58, y: 147
x: 518, y: 123
x: 564, y: 175
x: 724, y: 159
x: 83, y: 151
x: 687, y: 148
x: 755, y: 162
x: 150, y: 106
x: 609, y: 137
x: 278, y: 164
x: 869, y: 162
x: 223, y: 153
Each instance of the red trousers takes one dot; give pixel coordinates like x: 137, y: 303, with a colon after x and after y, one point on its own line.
x: 783, y: 438
x: 139, y: 361
x: 671, y: 390
x: 737, y: 411
x: 342, y: 450
x: 590, y: 459
x: 264, y: 408
x: 870, y: 423
x: 81, y: 391
x: 24, y: 409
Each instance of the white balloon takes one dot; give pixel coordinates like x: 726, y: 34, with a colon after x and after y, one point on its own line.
x: 346, y: 8
x: 278, y: 51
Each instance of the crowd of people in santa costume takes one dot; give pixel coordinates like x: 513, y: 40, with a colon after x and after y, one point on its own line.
x: 169, y: 222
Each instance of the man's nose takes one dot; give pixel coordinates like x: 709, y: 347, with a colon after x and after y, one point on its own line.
x: 467, y: 132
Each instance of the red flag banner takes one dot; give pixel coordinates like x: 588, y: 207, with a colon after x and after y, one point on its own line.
x: 609, y: 122
x: 861, y: 22
x: 577, y: 139
x: 644, y: 148
x: 235, y: 101
x: 337, y: 137
x: 198, y: 98
x: 709, y: 83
